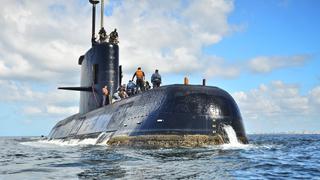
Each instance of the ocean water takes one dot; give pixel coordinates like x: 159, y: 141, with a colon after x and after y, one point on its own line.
x: 266, y: 157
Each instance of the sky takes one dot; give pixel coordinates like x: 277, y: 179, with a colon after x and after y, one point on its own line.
x: 265, y: 53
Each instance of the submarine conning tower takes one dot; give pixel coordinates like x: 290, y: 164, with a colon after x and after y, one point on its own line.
x: 99, y: 68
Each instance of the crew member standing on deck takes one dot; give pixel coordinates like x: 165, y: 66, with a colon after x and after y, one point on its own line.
x: 131, y: 88
x: 140, y: 78
x: 105, y: 93
x: 156, y: 79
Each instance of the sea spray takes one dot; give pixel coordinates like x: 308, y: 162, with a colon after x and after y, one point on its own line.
x: 100, y: 140
x: 231, y: 135
x: 233, y: 140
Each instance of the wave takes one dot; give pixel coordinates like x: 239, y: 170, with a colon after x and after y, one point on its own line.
x: 100, y: 140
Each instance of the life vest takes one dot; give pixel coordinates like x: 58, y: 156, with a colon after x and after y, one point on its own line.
x: 139, y: 74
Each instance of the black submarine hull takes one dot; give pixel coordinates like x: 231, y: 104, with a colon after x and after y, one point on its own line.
x: 188, y: 115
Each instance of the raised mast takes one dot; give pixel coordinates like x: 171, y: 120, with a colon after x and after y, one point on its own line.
x: 102, y: 12
x: 93, y: 2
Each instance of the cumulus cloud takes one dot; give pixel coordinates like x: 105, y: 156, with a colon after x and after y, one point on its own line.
x: 61, y: 110
x: 169, y: 35
x: 32, y: 110
x: 315, y: 95
x: 278, y: 100
x: 34, y: 102
x: 217, y: 67
x: 265, y: 64
x: 40, y: 42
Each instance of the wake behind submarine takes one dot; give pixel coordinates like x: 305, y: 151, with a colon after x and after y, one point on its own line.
x: 168, y: 116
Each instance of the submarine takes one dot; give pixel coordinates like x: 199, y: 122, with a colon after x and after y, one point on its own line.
x: 169, y: 116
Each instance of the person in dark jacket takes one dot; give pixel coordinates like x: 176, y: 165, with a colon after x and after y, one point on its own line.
x: 102, y: 35
x: 114, y: 37
x: 131, y: 88
x: 156, y: 79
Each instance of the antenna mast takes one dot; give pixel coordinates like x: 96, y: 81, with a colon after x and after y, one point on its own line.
x: 93, y: 2
x: 102, y: 12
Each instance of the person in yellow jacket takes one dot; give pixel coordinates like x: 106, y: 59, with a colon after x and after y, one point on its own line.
x: 140, y: 78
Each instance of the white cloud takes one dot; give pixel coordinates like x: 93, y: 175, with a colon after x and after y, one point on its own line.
x: 265, y: 64
x: 217, y: 67
x: 315, y: 95
x: 42, y: 40
x: 23, y: 92
x: 169, y: 35
x: 40, y: 43
x: 278, y: 101
x: 32, y: 110
x: 35, y: 102
x: 61, y: 110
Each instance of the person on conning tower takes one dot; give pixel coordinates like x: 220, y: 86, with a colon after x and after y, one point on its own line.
x: 114, y: 37
x: 140, y: 78
x: 102, y: 35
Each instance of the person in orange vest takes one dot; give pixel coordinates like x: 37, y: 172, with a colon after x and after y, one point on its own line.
x: 140, y: 78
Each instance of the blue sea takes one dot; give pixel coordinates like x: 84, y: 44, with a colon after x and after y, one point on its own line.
x: 266, y: 157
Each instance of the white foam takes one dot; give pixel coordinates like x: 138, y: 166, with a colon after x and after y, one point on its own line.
x: 231, y: 135
x: 237, y: 146
x: 71, y: 142
x: 233, y: 140
x: 105, y: 136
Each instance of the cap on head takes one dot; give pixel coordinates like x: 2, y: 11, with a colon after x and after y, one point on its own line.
x: 139, y: 68
x: 157, y: 70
